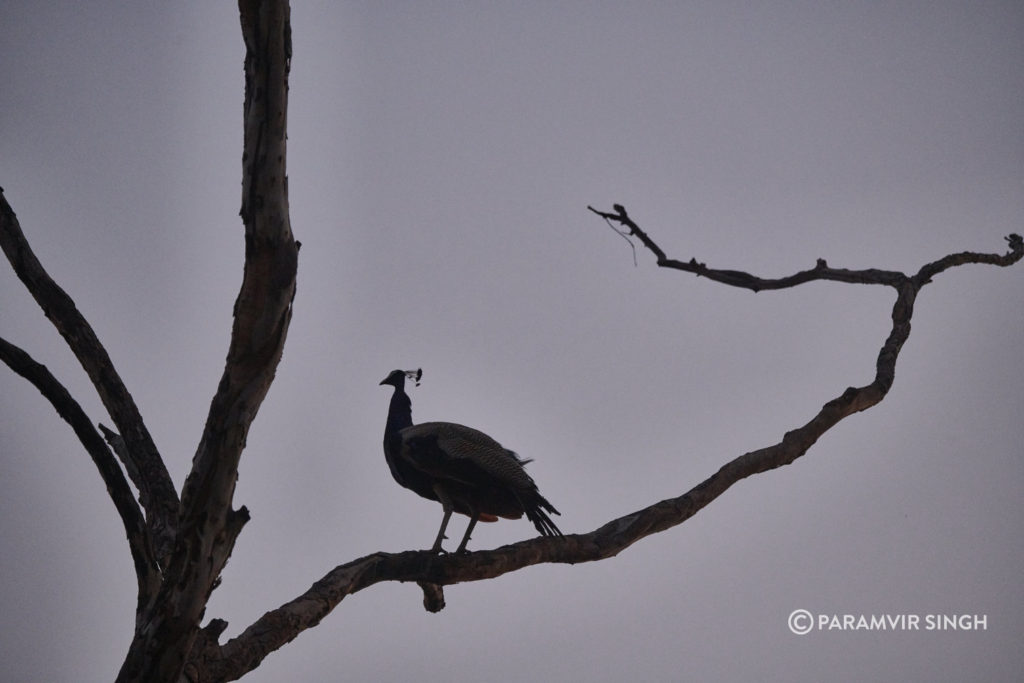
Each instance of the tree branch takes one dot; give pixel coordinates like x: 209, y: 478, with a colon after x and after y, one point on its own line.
x: 117, y: 445
x: 146, y: 570
x: 157, y: 492
x: 906, y: 287
x: 278, y: 627
x: 736, y: 278
x: 209, y: 526
x: 1016, y: 249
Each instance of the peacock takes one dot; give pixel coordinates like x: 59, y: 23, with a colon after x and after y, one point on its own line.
x: 462, y: 468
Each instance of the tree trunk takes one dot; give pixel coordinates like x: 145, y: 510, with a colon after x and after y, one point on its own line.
x: 166, y: 628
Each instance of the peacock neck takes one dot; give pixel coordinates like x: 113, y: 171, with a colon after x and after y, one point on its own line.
x: 399, y: 413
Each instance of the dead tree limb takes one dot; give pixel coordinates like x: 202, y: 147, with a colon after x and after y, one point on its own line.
x: 156, y: 491
x: 209, y: 525
x: 184, y: 545
x: 146, y: 570
x: 278, y: 627
x: 821, y: 269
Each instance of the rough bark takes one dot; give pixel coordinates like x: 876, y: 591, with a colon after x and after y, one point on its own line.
x: 181, y: 547
x: 208, y: 524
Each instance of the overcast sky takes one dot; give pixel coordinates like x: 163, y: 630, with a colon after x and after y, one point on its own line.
x: 441, y: 158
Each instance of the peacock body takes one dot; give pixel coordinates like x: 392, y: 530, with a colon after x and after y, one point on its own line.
x: 460, y: 467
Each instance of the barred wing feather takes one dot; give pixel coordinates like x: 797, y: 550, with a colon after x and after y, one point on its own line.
x: 464, y: 446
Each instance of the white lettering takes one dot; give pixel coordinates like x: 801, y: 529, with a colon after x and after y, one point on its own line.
x: 902, y: 622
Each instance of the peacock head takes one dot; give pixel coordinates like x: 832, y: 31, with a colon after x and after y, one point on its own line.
x: 396, y: 378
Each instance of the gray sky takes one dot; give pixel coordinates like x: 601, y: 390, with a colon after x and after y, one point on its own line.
x: 441, y: 159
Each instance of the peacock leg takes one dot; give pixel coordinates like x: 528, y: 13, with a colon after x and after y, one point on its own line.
x: 469, y: 530
x: 446, y: 503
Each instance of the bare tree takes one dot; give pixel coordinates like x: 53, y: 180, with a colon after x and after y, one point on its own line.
x: 179, y: 546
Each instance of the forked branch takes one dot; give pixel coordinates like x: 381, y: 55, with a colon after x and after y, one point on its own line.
x: 156, y: 491
x: 279, y: 626
x: 821, y: 269
x: 209, y: 524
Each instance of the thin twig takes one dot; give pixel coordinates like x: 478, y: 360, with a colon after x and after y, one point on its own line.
x: 624, y: 235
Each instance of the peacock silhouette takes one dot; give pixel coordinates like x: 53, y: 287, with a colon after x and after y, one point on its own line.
x: 462, y: 468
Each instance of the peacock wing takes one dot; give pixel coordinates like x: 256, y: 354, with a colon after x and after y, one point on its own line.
x: 463, y: 453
